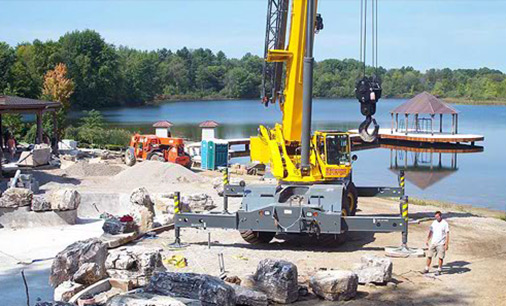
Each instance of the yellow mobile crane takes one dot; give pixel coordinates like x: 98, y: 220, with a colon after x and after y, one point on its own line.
x: 315, y: 194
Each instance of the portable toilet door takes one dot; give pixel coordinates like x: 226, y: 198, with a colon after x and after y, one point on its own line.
x: 221, y: 154
x: 203, y: 154
x: 211, y: 155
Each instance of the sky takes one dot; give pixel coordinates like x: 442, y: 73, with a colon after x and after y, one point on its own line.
x: 419, y: 33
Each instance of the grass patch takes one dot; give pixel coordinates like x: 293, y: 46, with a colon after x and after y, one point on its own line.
x: 503, y: 217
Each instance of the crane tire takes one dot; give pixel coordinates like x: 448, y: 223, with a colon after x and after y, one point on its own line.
x: 130, y: 159
x: 253, y: 237
x: 351, y: 199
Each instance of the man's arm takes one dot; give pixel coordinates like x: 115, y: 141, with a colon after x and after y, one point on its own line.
x: 429, y: 236
x: 447, y: 242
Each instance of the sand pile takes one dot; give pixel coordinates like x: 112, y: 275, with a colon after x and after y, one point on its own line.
x: 83, y: 169
x: 154, y: 172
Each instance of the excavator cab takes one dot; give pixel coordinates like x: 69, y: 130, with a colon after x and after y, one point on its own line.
x: 333, y: 154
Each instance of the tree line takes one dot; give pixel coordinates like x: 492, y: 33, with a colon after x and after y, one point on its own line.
x: 105, y: 76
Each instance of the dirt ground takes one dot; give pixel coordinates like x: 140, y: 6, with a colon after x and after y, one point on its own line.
x: 474, y: 272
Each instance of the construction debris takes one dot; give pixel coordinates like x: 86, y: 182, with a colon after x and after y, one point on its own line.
x: 68, y: 264
x: 134, y: 264
x: 278, y: 280
x: 207, y: 289
x: 374, y: 269
x: 334, y: 285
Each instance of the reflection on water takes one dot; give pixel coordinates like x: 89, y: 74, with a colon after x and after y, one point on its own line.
x: 475, y: 177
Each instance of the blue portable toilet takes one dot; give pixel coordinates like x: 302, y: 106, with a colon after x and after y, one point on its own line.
x: 221, y: 154
x: 214, y: 154
x: 203, y: 154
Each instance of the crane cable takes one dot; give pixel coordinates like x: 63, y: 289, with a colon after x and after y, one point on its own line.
x: 363, y: 34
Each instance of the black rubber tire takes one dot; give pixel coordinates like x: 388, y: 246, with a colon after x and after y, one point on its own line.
x: 189, y: 165
x: 351, y: 194
x: 253, y: 237
x: 130, y: 159
x: 328, y: 240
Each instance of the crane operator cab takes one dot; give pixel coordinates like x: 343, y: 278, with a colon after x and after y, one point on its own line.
x: 333, y: 153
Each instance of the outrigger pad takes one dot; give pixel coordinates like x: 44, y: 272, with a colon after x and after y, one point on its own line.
x: 403, y: 252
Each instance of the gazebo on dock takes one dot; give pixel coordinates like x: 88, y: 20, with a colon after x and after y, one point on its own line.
x: 423, y: 104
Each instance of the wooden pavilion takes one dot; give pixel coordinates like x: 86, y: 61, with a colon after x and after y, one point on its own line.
x: 423, y: 104
x: 18, y: 105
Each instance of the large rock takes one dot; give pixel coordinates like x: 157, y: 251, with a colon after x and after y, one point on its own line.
x: 16, y: 197
x: 147, y: 299
x: 143, y: 209
x: 53, y: 304
x: 198, y: 202
x: 66, y: 290
x: 277, y: 279
x: 65, y: 199
x: 374, y: 269
x: 40, y: 203
x: 67, y: 264
x: 208, y: 289
x: 135, y: 264
x: 335, y: 285
x: 246, y: 296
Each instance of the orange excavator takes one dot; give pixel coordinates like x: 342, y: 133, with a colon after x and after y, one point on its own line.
x: 153, y: 147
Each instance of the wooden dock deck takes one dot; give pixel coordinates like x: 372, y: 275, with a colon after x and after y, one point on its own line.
x: 420, y: 137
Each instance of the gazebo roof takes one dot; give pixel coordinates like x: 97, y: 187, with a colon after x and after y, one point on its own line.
x: 163, y: 124
x: 424, y: 103
x: 424, y: 177
x: 19, y: 104
x: 209, y: 124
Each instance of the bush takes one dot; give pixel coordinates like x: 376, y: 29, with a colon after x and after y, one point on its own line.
x: 118, y: 137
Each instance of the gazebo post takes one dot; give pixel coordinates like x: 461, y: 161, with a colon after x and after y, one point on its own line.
x: 453, y: 124
x: 416, y: 122
x: 396, y: 122
x: 406, y: 122
x: 38, y: 140
x: 432, y: 124
x: 440, y: 123
x: 456, y: 123
x: 55, y: 133
x: 392, y: 125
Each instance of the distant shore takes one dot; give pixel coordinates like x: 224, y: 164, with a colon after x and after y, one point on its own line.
x: 474, y: 102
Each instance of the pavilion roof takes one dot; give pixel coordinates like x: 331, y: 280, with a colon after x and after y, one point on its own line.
x: 424, y: 103
x: 19, y: 104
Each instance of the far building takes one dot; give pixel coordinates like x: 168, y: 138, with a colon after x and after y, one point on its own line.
x: 162, y: 128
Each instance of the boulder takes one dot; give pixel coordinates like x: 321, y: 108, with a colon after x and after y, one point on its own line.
x: 135, y: 264
x: 245, y: 296
x: 65, y: 199
x: 68, y: 263
x: 16, y: 197
x: 143, y: 209
x: 53, y: 304
x: 277, y: 279
x: 66, y: 290
x: 208, y: 289
x: 41, y: 154
x: 374, y: 269
x: 147, y: 299
x: 40, y: 203
x: 336, y: 285
x: 248, y: 281
x: 198, y: 202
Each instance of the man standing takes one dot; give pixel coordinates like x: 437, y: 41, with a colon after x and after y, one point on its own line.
x: 439, y: 238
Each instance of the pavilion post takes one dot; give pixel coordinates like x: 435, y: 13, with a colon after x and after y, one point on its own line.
x: 392, y: 125
x: 440, y: 123
x: 432, y: 124
x: 456, y: 123
x: 55, y: 133
x: 406, y: 122
x: 396, y: 122
x: 1, y: 134
x: 453, y: 124
x: 38, y: 140
x: 416, y: 122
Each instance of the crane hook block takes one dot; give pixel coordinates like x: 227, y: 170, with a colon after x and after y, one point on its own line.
x: 368, y: 92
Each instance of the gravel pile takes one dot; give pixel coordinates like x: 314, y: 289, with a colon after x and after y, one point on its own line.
x: 154, y: 172
x: 83, y: 169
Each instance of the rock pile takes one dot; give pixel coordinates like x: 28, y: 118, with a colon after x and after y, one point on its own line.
x: 207, y: 289
x: 374, y: 269
x: 336, y: 285
x: 82, y: 262
x: 134, y: 264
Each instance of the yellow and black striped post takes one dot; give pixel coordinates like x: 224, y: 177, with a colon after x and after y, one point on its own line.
x: 177, y: 211
x: 225, y: 184
x: 402, y: 182
x: 404, y: 213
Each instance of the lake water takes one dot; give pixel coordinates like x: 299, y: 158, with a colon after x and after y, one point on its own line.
x: 478, y: 179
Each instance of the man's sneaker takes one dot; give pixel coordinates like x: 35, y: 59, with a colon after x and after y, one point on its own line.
x: 438, y: 272
x: 425, y: 271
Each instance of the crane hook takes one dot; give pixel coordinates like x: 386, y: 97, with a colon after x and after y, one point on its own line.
x: 363, y: 129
